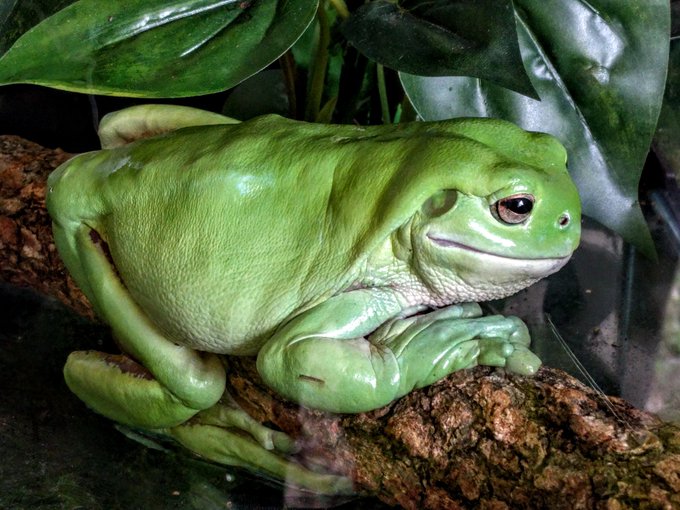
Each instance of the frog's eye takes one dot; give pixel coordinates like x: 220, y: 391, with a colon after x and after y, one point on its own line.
x: 440, y: 203
x: 513, y: 209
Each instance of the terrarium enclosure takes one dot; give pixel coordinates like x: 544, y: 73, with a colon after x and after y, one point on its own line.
x: 601, y: 76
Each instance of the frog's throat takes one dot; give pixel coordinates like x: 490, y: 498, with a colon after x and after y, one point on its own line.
x: 448, y: 243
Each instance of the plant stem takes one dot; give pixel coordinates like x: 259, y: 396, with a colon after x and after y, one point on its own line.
x: 287, y: 63
x: 318, y: 68
x: 382, y: 91
x: 341, y: 8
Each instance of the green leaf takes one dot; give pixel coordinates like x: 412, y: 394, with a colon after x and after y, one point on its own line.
x: 442, y: 38
x: 17, y: 16
x: 667, y: 137
x: 599, y: 67
x: 155, y: 48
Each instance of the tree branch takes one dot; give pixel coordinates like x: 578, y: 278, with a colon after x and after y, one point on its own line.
x: 481, y: 438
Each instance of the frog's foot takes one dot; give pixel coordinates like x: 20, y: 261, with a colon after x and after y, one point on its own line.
x: 228, y: 435
x: 431, y: 346
x: 142, y: 121
x: 125, y: 391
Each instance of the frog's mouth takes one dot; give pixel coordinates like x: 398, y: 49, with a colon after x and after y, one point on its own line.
x: 449, y: 243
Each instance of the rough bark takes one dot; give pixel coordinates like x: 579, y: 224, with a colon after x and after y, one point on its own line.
x: 28, y: 257
x: 481, y: 438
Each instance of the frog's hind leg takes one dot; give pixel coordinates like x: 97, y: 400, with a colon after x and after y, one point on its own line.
x: 217, y: 435
x: 166, y: 385
x: 169, y: 388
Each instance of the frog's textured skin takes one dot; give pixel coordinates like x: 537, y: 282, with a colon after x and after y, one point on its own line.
x: 311, y: 247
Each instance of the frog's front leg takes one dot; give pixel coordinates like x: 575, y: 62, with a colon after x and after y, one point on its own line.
x: 355, y: 352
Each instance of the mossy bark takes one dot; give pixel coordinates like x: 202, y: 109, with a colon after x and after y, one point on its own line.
x: 481, y: 438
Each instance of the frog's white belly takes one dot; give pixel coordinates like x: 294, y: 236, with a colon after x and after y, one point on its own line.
x: 218, y: 317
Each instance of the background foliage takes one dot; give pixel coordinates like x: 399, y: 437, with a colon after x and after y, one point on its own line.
x: 591, y: 72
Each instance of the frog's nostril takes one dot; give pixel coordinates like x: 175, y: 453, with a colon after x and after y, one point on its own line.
x: 564, y: 220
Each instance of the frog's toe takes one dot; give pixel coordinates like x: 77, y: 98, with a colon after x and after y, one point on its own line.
x: 494, y: 352
x: 516, y: 358
x: 226, y: 414
x: 520, y: 336
x: 230, y: 447
x: 523, y: 362
x: 123, y: 390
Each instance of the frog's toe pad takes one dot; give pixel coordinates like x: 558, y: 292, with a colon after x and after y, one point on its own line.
x: 123, y: 390
x: 513, y: 357
x: 523, y: 362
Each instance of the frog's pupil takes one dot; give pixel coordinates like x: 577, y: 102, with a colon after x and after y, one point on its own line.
x: 519, y: 205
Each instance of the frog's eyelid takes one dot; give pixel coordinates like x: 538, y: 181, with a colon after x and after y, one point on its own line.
x: 502, y: 193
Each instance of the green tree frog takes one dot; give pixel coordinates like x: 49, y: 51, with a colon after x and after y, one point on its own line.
x: 348, y: 259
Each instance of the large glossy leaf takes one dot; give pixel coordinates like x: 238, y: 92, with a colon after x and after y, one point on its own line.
x: 441, y: 38
x: 155, y: 48
x: 667, y: 137
x: 18, y: 16
x: 599, y: 67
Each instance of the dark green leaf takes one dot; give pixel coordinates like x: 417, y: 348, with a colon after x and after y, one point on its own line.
x: 17, y: 16
x: 262, y: 93
x: 442, y: 38
x: 667, y: 137
x: 155, y: 48
x: 599, y: 67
